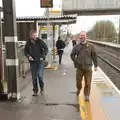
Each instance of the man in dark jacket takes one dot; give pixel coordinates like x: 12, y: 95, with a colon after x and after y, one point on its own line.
x: 83, y: 54
x: 36, y: 51
x: 60, y: 47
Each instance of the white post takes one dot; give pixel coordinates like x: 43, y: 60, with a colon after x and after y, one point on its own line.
x: 48, y: 40
x: 119, y: 31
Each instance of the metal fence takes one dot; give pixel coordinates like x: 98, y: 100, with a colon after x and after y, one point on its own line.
x: 23, y: 64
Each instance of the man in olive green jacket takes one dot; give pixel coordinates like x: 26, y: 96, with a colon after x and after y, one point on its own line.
x: 83, y: 55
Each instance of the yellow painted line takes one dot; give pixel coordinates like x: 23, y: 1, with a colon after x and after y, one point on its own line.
x: 91, y: 110
x: 54, y: 11
x: 83, y: 112
x: 55, y: 68
x: 51, y: 68
x: 46, y: 29
x: 51, y: 28
x: 85, y: 109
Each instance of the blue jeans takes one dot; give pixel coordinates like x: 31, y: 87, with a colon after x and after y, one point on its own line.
x: 60, y: 54
x: 37, y: 70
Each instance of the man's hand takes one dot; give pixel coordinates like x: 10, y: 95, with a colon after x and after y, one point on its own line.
x: 30, y: 58
x: 41, y: 59
x: 95, y: 68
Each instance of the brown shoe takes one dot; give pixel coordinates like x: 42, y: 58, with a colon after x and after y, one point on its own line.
x: 78, y: 92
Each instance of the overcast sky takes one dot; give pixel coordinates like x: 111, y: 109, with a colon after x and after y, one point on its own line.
x: 29, y: 8
x: 86, y: 22
x: 32, y: 8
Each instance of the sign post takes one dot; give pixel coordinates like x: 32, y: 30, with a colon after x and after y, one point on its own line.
x: 48, y: 4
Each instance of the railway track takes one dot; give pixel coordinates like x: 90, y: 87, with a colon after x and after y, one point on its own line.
x: 109, y: 58
x: 110, y: 64
x: 109, y: 53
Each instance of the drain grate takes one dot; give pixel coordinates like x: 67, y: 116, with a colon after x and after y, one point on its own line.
x: 68, y: 104
x: 51, y: 104
x: 73, y: 92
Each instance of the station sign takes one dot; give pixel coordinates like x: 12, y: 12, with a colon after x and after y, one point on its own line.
x: 46, y: 3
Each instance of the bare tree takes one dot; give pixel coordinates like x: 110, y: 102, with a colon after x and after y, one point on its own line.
x: 103, y: 30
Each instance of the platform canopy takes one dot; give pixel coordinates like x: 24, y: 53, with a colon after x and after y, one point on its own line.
x: 65, y: 19
x: 58, y: 22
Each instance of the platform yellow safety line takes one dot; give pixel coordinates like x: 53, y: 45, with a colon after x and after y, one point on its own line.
x: 82, y: 108
x: 85, y: 109
x: 88, y: 110
x: 51, y: 68
x: 91, y: 110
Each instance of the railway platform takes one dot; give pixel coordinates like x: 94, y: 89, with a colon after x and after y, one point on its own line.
x: 114, y: 45
x: 60, y: 102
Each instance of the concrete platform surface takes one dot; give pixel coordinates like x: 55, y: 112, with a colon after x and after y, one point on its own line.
x: 59, y: 101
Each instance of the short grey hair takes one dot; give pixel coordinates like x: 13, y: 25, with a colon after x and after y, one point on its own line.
x: 32, y: 31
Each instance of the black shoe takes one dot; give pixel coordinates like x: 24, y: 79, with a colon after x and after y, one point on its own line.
x: 59, y: 62
x: 34, y: 94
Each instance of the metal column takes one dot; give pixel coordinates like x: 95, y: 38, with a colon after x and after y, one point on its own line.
x: 48, y: 40
x: 54, y: 50
x: 59, y: 30
x: 12, y: 62
x: 67, y: 31
x: 1, y: 63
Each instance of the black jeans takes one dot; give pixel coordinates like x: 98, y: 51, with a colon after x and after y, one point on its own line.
x: 60, y: 53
